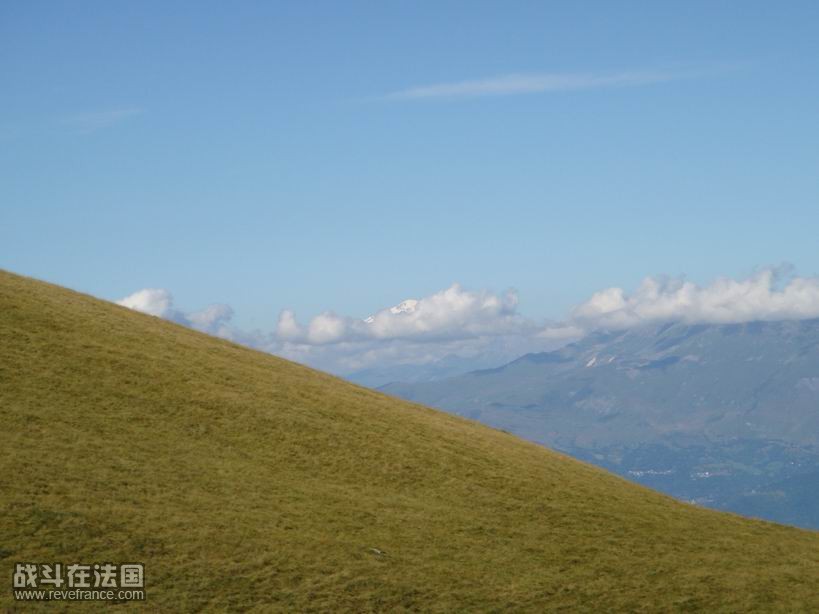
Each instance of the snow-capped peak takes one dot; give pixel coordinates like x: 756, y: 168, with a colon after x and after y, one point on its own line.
x: 407, y: 306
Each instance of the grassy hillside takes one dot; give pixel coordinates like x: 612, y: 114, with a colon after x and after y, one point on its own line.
x: 243, y: 480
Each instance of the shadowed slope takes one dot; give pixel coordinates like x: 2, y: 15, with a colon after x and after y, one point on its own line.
x: 243, y: 480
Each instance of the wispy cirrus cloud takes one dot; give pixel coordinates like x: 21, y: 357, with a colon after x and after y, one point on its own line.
x: 91, y: 122
x: 511, y: 84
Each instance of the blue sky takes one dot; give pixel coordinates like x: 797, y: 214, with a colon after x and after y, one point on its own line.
x: 346, y: 156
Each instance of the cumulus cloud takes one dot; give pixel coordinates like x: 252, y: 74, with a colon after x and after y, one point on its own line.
x: 453, y: 321
x: 769, y: 294
x: 153, y: 301
x: 453, y: 313
x: 288, y: 329
x: 486, y: 325
x: 158, y: 302
x: 213, y: 319
x: 450, y: 314
x: 329, y: 328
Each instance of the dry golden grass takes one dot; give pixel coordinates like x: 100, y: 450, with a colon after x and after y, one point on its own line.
x: 244, y: 482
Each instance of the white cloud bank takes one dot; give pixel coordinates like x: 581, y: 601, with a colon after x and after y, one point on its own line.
x: 213, y: 319
x: 454, y: 321
x: 479, y: 324
x: 450, y: 314
x: 769, y: 294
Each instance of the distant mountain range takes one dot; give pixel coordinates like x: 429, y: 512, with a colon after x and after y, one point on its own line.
x: 723, y: 415
x: 448, y: 366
